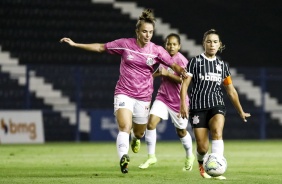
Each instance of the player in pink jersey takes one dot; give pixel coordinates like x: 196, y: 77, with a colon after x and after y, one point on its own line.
x: 168, y: 103
x: 134, y: 88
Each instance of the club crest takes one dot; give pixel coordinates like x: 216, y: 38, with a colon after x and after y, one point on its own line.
x: 150, y: 61
x: 196, y: 120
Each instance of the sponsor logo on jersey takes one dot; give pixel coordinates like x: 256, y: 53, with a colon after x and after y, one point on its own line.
x: 214, y: 77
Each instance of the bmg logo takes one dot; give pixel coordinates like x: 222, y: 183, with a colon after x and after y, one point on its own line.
x: 214, y: 77
x: 19, y: 128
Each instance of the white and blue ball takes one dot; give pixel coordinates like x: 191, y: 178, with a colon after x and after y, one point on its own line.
x: 215, y: 164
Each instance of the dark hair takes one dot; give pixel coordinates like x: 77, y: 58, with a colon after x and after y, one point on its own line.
x: 213, y: 31
x: 147, y: 17
x: 173, y: 35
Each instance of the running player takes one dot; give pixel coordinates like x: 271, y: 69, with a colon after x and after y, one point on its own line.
x: 207, y: 108
x: 168, y: 103
x: 134, y: 88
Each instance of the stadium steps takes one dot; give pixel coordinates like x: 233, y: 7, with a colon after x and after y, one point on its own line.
x: 44, y: 90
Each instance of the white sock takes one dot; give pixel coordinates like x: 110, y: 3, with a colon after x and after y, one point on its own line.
x: 217, y: 147
x: 151, y: 139
x: 200, y: 157
x: 122, y: 143
x: 187, y: 144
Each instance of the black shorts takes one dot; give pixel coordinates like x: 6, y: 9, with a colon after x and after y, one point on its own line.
x: 201, y: 118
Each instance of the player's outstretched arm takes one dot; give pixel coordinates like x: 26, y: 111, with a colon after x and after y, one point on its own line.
x: 95, y: 47
x: 178, y: 69
x: 161, y: 71
x: 233, y: 96
x: 183, y: 93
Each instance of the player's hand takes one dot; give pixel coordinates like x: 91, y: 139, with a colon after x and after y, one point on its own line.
x: 244, y: 116
x: 68, y: 40
x: 184, y: 111
x: 163, y: 71
x: 184, y: 74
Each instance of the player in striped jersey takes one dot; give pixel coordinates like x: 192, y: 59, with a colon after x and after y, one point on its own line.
x: 133, y: 92
x: 207, y: 109
x: 167, y: 103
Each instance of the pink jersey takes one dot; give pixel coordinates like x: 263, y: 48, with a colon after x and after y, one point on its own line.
x: 169, y: 91
x: 136, y: 66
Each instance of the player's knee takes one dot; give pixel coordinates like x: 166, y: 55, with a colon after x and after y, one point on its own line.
x: 124, y: 128
x: 181, y: 133
x: 139, y: 135
x: 151, y: 126
x: 202, y: 148
x: 216, y: 135
x: 202, y: 152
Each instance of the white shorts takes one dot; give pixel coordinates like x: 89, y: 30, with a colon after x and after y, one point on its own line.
x: 161, y: 110
x: 140, y: 109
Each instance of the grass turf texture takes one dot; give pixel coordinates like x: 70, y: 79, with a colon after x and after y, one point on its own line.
x: 248, y: 162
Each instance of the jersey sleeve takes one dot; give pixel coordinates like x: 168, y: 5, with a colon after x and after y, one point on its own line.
x: 226, y: 71
x: 163, y: 57
x: 116, y: 46
x: 181, y: 60
x: 191, y: 67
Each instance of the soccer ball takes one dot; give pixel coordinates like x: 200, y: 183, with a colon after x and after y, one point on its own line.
x: 215, y: 164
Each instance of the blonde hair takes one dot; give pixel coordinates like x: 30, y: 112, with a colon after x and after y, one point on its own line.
x: 213, y: 31
x: 146, y: 17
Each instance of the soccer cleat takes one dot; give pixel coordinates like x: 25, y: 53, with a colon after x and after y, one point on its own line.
x: 219, y: 177
x: 150, y: 161
x: 135, y: 145
x: 189, y: 163
x: 124, y: 161
x: 202, y: 172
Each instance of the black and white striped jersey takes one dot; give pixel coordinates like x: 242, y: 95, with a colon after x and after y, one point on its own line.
x: 207, y: 77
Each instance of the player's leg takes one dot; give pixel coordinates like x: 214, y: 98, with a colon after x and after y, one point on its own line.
x: 202, y: 142
x: 138, y: 131
x: 123, y: 113
x: 158, y: 111
x: 216, y: 124
x: 185, y: 138
x: 216, y: 128
x: 186, y: 141
x: 124, y: 118
x: 140, y: 119
x: 199, y: 124
x: 151, y: 139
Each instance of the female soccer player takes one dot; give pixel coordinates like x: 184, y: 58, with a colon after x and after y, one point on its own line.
x: 134, y: 88
x: 168, y: 103
x: 207, y: 109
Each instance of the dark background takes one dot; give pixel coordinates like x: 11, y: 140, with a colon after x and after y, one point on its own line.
x: 30, y: 31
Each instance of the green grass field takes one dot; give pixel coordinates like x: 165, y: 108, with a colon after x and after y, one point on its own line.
x: 248, y: 162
